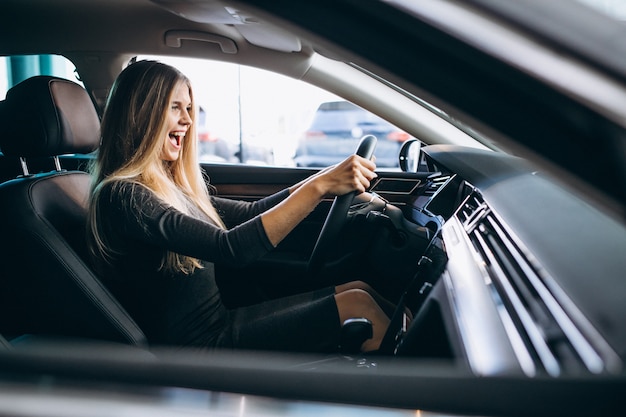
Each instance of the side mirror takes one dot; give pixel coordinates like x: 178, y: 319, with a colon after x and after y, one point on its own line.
x: 410, y: 155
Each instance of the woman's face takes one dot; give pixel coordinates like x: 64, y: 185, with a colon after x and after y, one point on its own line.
x: 178, y: 121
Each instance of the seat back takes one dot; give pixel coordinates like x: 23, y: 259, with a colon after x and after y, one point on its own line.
x: 46, y: 284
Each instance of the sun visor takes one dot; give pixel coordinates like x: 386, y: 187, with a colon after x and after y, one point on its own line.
x: 253, y: 30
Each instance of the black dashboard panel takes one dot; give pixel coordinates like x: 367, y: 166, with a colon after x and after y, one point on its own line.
x: 542, y: 228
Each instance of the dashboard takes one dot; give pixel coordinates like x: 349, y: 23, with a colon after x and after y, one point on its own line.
x: 525, y: 288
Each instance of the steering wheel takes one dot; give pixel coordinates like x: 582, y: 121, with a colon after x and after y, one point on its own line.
x: 338, y: 213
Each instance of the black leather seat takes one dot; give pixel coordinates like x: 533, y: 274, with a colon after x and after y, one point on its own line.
x: 46, y: 285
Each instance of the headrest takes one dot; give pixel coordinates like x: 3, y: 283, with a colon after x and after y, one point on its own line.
x: 48, y: 116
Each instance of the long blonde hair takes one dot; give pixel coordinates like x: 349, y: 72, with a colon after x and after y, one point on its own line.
x: 132, y: 129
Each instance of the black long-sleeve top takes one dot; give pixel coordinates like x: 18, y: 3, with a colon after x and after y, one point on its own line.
x: 177, y: 308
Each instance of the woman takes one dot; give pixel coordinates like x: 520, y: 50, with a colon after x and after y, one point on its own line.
x: 154, y: 226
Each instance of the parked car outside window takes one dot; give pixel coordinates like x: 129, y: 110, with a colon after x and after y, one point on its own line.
x: 337, y: 128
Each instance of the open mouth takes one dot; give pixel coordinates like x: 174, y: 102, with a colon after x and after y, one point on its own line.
x: 176, y: 138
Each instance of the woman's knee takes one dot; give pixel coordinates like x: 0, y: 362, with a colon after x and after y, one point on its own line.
x: 358, y: 295
x: 353, y: 285
x: 356, y: 302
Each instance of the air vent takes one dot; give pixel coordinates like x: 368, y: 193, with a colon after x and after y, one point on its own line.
x: 435, y: 183
x: 543, y: 335
x: 472, y: 211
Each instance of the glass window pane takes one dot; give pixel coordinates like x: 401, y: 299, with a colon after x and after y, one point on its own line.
x: 252, y: 116
x: 14, y: 69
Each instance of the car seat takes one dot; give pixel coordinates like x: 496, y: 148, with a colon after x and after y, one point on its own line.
x: 46, y: 285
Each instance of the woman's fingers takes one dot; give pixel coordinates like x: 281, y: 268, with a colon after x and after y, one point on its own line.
x: 365, y: 173
x: 352, y: 174
x: 361, y: 172
x: 363, y: 179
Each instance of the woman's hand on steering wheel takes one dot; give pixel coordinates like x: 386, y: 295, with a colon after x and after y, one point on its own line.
x: 353, y: 174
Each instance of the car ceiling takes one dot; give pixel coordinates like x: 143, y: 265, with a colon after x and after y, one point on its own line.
x: 563, y: 133
x: 50, y: 27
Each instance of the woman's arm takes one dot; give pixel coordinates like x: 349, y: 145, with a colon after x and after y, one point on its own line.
x: 353, y: 174
x: 234, y: 212
x: 133, y: 215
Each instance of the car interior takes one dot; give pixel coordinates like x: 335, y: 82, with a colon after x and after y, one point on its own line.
x: 505, y: 241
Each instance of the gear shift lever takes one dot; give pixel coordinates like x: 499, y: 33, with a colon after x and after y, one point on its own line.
x: 354, y: 332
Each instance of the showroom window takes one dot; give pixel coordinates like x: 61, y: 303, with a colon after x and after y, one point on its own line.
x: 253, y: 116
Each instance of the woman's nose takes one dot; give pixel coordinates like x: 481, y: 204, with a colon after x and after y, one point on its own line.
x: 186, y: 118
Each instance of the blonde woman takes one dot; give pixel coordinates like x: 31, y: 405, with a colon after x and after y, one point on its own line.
x: 155, y: 227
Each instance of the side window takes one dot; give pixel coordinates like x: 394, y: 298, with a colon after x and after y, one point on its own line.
x: 252, y: 116
x: 14, y: 69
